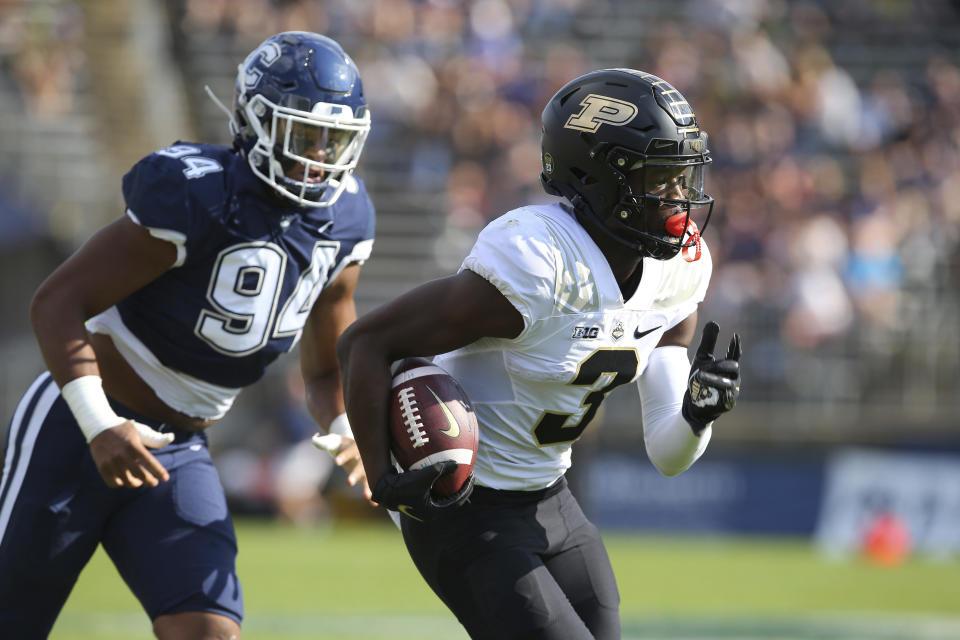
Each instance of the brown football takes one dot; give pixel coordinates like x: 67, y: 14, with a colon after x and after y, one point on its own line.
x: 431, y: 420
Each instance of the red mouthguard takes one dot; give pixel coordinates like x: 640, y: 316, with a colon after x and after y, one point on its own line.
x: 680, y: 223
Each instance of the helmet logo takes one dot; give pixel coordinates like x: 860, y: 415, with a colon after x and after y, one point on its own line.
x: 266, y: 54
x: 598, y: 110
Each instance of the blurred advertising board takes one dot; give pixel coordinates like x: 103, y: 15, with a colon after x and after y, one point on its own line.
x: 734, y: 494
x: 835, y: 496
x: 919, y: 490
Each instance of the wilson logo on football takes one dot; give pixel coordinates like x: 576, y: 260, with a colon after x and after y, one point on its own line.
x: 411, y: 417
x: 598, y: 110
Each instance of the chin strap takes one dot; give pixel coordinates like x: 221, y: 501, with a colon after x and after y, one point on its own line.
x: 233, y: 124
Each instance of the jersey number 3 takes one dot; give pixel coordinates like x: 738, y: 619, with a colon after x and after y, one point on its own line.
x: 620, y: 363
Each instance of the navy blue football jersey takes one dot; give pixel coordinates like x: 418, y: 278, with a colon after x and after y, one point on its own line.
x: 250, y: 264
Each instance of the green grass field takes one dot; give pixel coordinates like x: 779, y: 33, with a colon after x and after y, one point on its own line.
x: 357, y: 582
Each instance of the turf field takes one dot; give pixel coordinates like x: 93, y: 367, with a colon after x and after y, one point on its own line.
x: 356, y: 582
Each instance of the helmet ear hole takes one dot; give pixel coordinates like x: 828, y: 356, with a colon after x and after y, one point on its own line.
x: 549, y: 187
x: 563, y: 99
x: 583, y: 177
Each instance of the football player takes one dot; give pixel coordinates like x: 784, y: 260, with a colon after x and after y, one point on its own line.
x: 555, y: 306
x: 225, y: 259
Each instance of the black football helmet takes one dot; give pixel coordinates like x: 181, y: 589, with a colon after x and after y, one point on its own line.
x: 300, y: 116
x: 624, y: 148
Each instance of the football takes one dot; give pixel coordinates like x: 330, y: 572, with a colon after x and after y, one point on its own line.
x: 431, y: 420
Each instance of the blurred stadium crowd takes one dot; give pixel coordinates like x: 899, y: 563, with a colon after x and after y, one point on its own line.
x: 835, y: 129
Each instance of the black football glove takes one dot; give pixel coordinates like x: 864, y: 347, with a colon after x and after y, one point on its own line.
x: 409, y: 492
x: 713, y: 385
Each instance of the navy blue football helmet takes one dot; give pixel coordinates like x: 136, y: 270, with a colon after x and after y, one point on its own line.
x: 300, y: 116
x: 625, y: 149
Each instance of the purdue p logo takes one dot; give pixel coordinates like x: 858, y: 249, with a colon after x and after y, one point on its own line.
x: 598, y: 110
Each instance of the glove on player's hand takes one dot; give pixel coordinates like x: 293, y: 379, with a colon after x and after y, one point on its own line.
x: 713, y: 385
x: 409, y: 492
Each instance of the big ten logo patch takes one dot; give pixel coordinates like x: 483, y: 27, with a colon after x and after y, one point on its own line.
x: 582, y: 333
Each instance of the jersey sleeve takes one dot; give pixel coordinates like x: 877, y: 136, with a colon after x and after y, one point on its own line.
x: 155, y: 191
x: 157, y: 198
x: 513, y: 255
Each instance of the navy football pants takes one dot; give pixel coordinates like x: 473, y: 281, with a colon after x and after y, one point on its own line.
x: 174, y: 545
x: 519, y: 564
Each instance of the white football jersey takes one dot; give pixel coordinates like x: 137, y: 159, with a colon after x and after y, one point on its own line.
x: 535, y: 394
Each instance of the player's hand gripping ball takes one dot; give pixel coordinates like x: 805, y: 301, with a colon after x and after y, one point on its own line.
x: 431, y: 421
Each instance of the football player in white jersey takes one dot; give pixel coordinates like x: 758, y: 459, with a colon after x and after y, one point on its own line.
x: 554, y: 307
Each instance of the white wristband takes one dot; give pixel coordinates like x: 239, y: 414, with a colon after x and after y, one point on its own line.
x: 341, y: 426
x: 89, y: 405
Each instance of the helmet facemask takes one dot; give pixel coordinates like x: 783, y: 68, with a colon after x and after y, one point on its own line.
x: 305, y: 155
x: 662, y: 206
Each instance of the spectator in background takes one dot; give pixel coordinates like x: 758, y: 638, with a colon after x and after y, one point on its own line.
x: 300, y: 472
x: 44, y: 43
x: 274, y: 468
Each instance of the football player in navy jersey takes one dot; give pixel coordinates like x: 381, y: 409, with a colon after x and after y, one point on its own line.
x: 555, y: 306
x: 224, y: 259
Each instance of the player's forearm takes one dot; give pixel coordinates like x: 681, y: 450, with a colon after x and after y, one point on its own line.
x: 366, y: 389
x: 62, y: 337
x: 671, y: 444
x: 324, y: 397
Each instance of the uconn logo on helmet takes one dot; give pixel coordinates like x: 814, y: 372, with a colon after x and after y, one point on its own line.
x: 598, y: 110
x: 266, y: 54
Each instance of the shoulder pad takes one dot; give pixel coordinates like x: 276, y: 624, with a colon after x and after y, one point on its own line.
x: 167, y: 187
x: 353, y: 214
x: 535, y: 261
